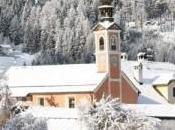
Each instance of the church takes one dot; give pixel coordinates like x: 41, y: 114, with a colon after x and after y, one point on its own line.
x: 69, y: 85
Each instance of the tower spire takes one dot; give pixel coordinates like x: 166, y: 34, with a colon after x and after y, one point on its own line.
x: 106, y: 11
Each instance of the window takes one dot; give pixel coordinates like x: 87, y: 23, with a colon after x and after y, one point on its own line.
x: 174, y: 92
x: 41, y: 101
x: 101, y: 43
x: 72, y: 102
x: 113, y: 44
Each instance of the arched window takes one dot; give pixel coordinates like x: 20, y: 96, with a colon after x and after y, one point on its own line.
x: 101, y: 44
x: 113, y: 44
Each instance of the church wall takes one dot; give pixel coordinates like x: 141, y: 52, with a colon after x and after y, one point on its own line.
x: 128, y: 94
x: 61, y: 99
x: 115, y: 89
x: 102, y: 90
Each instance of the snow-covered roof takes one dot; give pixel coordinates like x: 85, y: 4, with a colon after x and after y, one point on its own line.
x: 131, y: 24
x: 53, y: 112
x: 153, y: 72
x: 105, y: 6
x: 106, y: 24
x: 23, y: 80
x: 154, y: 110
x: 58, y: 118
x: 5, y: 45
x: 141, y: 54
x: 164, y: 79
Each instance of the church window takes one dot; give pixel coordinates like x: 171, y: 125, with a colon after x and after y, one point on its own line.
x: 71, y: 102
x: 113, y: 44
x: 174, y: 92
x: 41, y: 101
x: 101, y: 44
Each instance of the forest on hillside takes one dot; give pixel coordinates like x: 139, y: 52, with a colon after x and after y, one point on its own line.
x: 60, y: 31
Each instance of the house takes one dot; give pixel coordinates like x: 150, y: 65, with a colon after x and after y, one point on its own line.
x: 68, y: 85
x: 155, y: 80
x: 165, y: 86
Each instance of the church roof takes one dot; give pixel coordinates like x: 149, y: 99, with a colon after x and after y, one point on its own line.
x: 106, y: 25
x: 24, y: 80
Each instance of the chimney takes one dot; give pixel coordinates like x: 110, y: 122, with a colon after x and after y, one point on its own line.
x: 124, y: 56
x: 141, y: 57
x: 138, y: 72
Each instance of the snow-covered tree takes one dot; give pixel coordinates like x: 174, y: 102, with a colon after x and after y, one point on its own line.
x: 109, y: 114
x: 26, y: 121
x: 6, y: 102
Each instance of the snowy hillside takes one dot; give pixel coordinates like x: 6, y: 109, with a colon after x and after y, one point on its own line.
x: 61, y: 31
x: 14, y: 58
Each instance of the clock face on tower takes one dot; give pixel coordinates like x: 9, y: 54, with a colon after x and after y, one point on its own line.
x: 114, y: 60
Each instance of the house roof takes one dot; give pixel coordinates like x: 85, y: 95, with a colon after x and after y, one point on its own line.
x: 164, y: 79
x: 23, y: 80
x: 58, y: 118
x: 152, y: 73
x: 154, y: 110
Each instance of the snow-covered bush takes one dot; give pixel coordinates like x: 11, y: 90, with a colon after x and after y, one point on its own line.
x: 25, y: 121
x: 109, y: 114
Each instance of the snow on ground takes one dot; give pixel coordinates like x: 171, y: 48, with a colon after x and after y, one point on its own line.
x: 15, y: 58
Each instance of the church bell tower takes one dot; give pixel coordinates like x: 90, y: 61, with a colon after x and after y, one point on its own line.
x: 107, y: 43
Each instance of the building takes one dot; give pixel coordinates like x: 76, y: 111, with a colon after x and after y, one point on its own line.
x: 155, y: 80
x: 68, y: 85
x: 141, y: 81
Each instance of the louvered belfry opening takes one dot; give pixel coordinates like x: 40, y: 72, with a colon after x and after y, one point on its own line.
x: 106, y: 11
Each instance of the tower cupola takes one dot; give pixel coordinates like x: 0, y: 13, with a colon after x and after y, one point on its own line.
x: 106, y: 11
